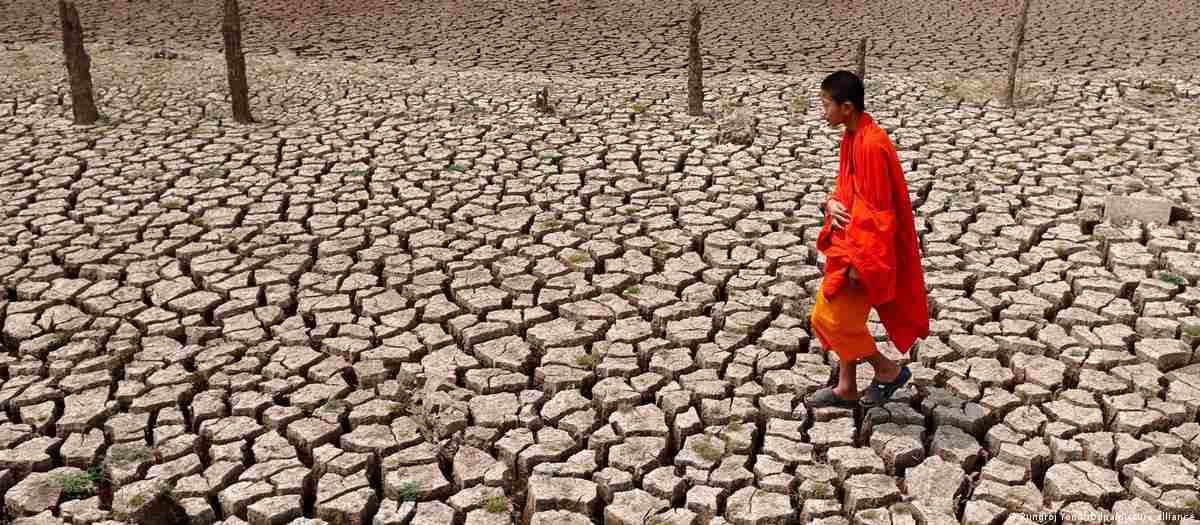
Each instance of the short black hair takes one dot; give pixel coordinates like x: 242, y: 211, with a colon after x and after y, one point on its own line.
x: 844, y: 86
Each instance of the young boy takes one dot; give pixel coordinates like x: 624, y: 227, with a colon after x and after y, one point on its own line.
x: 872, y: 257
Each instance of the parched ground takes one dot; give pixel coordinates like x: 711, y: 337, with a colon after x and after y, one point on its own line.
x: 406, y: 297
x: 647, y: 38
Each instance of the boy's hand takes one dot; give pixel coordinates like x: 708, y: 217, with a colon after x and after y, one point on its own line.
x: 852, y: 274
x: 838, y: 213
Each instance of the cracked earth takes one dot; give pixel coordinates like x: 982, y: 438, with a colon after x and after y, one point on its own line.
x: 642, y: 38
x: 407, y: 297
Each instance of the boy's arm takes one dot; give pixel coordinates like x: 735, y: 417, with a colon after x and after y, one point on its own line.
x: 872, y: 231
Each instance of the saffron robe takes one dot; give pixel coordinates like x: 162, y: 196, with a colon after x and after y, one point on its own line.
x: 841, y: 323
x: 881, y: 240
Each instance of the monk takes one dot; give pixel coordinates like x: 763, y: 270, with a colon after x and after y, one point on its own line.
x: 872, y: 257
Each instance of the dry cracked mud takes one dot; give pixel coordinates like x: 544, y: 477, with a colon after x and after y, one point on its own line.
x: 406, y: 297
x: 643, y: 38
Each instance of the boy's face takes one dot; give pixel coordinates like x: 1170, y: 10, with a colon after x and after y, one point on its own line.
x: 835, y: 114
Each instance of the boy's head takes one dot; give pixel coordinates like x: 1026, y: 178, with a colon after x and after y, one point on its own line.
x: 842, y: 97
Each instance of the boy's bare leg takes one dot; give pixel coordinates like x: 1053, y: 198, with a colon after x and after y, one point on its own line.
x: 847, y: 387
x: 886, y: 370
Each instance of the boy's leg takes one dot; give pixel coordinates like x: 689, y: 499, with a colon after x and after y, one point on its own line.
x: 841, y: 325
x: 847, y: 386
x: 886, y: 369
x: 889, y: 377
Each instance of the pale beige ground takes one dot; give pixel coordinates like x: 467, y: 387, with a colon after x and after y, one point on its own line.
x: 647, y: 38
x: 406, y: 284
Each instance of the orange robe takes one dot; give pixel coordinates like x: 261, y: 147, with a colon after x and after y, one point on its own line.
x: 841, y: 323
x: 880, y: 243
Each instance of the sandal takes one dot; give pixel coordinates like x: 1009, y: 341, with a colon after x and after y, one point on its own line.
x: 827, y: 398
x: 833, y: 376
x: 878, y: 392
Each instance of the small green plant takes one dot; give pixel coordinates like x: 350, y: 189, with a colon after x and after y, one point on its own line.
x: 104, y: 119
x: 707, y: 450
x: 457, y: 168
x: 125, y: 454
x: 799, y: 105
x: 735, y: 425
x: 358, y: 173
x: 632, y: 290
x: 578, y: 258
x: 408, y: 491
x: 552, y: 224
x: 822, y: 490
x: 333, y: 405
x: 1193, y: 504
x: 496, y: 504
x: 1193, y: 507
x: 551, y: 157
x: 637, y: 107
x: 586, y: 360
x: 472, y: 106
x: 1192, y: 330
x: 75, y: 483
x: 1171, y: 278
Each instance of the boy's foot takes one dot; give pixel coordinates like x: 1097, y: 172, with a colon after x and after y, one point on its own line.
x: 887, y: 372
x: 833, y: 376
x: 880, y: 391
x: 827, y: 398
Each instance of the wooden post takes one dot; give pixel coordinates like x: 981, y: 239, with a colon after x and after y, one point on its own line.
x: 542, y: 101
x: 235, y: 62
x: 83, y: 103
x: 695, y: 66
x: 1010, y: 92
x: 862, y: 59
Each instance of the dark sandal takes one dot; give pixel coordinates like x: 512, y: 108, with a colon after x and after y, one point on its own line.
x: 878, y: 392
x: 833, y: 376
x: 826, y: 398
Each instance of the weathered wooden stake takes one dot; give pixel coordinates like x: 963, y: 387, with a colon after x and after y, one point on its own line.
x: 862, y: 58
x: 695, y: 66
x: 1010, y: 92
x: 235, y: 62
x: 83, y: 104
x: 542, y: 101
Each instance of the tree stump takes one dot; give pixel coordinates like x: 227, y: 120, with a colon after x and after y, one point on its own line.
x: 83, y: 103
x: 1010, y: 91
x: 695, y: 66
x: 862, y: 58
x: 235, y: 63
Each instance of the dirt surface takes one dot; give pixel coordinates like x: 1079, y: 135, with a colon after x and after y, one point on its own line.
x: 406, y: 296
x: 648, y: 38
